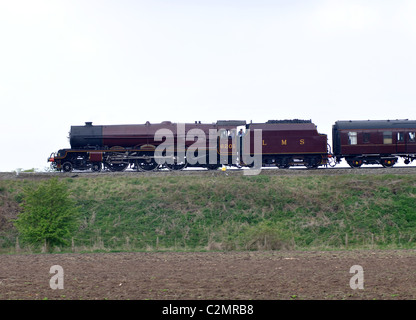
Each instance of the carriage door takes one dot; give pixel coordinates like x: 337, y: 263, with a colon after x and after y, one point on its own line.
x: 400, y: 142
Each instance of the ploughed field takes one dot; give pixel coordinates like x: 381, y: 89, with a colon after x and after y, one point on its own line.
x: 275, y: 275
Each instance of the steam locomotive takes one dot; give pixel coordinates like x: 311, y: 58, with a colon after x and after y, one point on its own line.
x: 281, y: 143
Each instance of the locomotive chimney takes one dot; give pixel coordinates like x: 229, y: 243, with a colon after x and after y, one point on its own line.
x: 88, y: 124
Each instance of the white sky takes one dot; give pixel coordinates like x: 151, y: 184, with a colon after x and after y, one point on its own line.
x: 116, y: 62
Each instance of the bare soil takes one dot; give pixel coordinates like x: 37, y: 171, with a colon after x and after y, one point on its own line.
x: 271, y: 275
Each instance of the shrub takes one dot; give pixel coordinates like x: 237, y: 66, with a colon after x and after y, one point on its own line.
x: 49, y: 215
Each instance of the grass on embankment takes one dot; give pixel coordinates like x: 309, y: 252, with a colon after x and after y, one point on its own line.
x: 233, y: 212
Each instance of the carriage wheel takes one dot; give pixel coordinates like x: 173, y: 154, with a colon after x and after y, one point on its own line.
x: 388, y: 163
x: 355, y: 163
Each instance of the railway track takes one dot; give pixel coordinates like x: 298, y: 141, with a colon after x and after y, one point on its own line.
x: 230, y: 171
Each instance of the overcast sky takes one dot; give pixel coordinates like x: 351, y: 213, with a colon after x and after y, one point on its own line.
x: 119, y: 62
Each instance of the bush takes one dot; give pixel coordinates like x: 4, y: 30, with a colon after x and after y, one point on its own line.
x: 49, y: 215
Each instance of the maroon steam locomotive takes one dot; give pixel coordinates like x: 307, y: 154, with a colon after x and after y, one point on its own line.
x: 282, y: 143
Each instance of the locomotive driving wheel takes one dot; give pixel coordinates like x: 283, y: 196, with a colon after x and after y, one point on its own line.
x: 117, y: 167
x: 116, y: 159
x: 148, y: 164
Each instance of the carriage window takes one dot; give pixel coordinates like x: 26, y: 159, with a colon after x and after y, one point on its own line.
x: 412, y: 136
x: 400, y: 136
x: 352, y: 137
x: 366, y: 137
x: 387, y: 137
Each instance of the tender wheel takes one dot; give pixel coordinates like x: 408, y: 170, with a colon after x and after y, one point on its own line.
x: 312, y: 163
x: 176, y: 166
x: 283, y: 163
x: 67, y: 167
x: 213, y: 166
